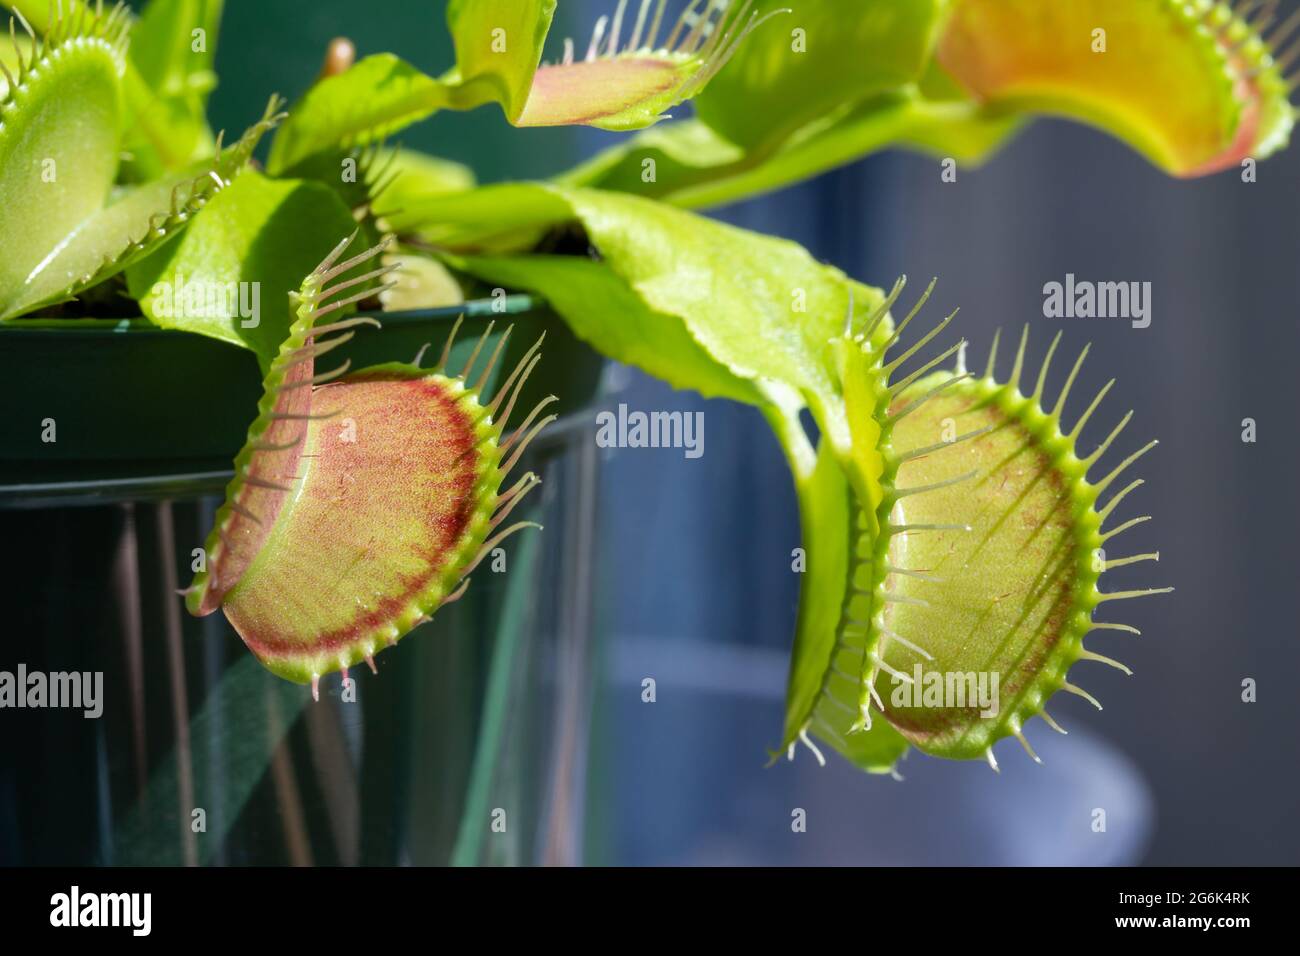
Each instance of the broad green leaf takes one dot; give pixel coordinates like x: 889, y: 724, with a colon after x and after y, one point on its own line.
x: 1191, y: 86
x: 605, y: 311
x: 375, y: 98
x: 359, y: 504
x: 230, y: 274
x: 687, y: 164
x: 59, y: 128
x: 761, y: 308
x: 813, y: 60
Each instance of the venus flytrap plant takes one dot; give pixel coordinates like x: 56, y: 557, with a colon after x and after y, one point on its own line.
x: 948, y: 520
x: 361, y: 501
x: 991, y: 548
x: 974, y: 546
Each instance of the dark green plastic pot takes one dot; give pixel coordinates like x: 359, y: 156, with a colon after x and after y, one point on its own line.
x: 476, y: 716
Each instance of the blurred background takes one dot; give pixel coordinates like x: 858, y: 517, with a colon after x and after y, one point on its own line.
x: 691, y: 581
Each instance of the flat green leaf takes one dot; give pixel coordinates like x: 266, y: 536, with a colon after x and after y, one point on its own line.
x: 229, y: 276
x: 690, y: 165
x: 604, y: 310
x: 375, y: 98
x: 813, y: 60
x: 762, y: 308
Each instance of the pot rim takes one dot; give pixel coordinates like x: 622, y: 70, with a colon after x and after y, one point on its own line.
x: 141, y: 327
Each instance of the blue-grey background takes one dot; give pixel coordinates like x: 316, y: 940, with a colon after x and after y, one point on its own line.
x: 696, y: 588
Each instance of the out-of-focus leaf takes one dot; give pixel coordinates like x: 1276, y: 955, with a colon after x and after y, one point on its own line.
x: 420, y: 282
x: 173, y: 46
x: 412, y: 176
